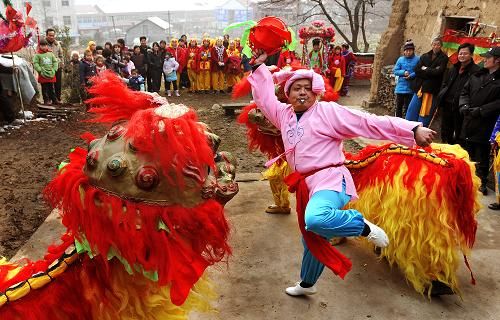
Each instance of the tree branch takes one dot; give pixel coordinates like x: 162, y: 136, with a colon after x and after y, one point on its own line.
x: 363, y: 29
x: 329, y: 17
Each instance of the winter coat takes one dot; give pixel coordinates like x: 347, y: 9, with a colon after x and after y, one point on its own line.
x: 180, y: 55
x: 430, y: 79
x: 215, y: 60
x: 136, y: 83
x: 57, y: 50
x: 403, y: 86
x: 140, y: 62
x: 87, y: 71
x: 170, y: 67
x: 155, y: 61
x: 450, y: 77
x: 481, y: 91
x: 46, y: 65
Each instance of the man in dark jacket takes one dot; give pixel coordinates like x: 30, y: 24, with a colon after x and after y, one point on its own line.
x: 6, y: 107
x: 429, y: 75
x: 480, y: 105
x: 454, y: 81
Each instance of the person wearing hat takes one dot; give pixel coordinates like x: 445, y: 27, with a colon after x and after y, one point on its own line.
x: 453, y: 83
x: 204, y: 65
x: 429, y: 76
x: 312, y: 133
x: 404, y: 70
x: 480, y: 105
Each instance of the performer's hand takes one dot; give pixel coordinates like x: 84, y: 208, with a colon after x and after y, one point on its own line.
x: 260, y: 57
x: 424, y: 136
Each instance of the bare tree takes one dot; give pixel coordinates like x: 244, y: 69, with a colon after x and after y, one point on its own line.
x: 354, y: 12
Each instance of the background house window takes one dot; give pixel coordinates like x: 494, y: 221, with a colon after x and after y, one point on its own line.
x: 46, y: 3
x: 65, y: 3
x: 49, y: 21
x: 67, y: 20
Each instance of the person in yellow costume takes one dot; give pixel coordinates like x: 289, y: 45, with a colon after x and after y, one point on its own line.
x: 204, y: 64
x: 192, y: 67
x: 233, y: 69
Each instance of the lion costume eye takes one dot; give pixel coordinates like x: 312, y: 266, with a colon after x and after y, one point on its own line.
x: 92, y: 158
x: 117, y: 166
x: 147, y: 178
x: 115, y: 132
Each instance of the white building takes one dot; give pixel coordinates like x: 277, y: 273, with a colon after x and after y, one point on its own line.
x: 50, y: 13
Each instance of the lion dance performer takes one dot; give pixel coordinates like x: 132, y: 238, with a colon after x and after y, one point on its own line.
x: 398, y: 175
x: 265, y: 137
x: 312, y: 133
x: 144, y: 212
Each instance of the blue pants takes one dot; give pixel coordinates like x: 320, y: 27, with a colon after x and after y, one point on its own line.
x: 324, y: 216
x: 413, y: 111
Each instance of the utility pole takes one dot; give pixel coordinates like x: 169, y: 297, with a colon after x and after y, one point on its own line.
x: 114, y: 27
x: 169, y: 26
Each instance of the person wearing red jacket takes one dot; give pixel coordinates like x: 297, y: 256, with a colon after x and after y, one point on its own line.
x: 203, y: 66
x: 219, y: 60
x: 180, y: 55
x: 350, y: 62
x: 191, y: 65
x: 336, y: 65
x: 233, y: 66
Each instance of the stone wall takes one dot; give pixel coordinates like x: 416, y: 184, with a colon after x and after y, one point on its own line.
x: 421, y: 21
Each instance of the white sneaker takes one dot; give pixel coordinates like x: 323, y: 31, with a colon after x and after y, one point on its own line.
x: 169, y: 94
x: 299, y: 291
x: 377, y: 236
x: 177, y: 94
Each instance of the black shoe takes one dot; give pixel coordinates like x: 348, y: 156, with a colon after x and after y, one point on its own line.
x: 483, y: 190
x: 439, y: 289
x: 494, y: 206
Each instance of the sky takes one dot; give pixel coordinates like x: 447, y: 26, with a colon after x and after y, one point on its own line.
x: 150, y: 5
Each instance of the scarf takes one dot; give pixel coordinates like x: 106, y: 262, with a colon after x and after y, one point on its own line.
x: 220, y: 53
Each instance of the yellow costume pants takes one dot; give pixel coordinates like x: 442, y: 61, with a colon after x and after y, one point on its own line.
x: 232, y: 79
x: 204, y: 80
x: 193, y: 79
x: 218, y: 80
x: 275, y: 174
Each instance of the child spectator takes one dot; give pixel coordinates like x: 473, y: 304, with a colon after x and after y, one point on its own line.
x: 100, y: 65
x: 129, y: 65
x: 170, y: 67
x: 45, y: 63
x: 136, y: 81
x: 87, y: 71
x: 72, y: 70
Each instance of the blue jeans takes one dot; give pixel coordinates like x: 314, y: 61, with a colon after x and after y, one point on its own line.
x: 325, y: 217
x: 413, y: 112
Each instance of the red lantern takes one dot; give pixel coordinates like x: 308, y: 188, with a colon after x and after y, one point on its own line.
x: 270, y: 34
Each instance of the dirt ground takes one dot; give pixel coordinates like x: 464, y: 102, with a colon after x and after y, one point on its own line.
x: 30, y: 155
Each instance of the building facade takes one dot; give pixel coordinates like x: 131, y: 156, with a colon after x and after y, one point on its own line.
x: 50, y: 13
x: 423, y: 20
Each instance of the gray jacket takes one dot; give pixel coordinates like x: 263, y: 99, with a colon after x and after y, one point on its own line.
x: 57, y: 50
